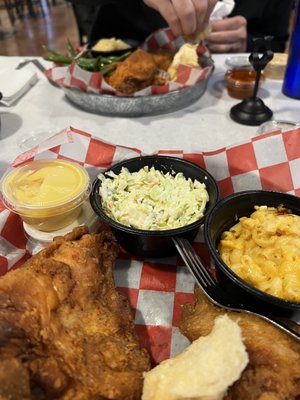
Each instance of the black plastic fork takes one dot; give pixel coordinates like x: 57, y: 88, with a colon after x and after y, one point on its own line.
x: 214, y: 292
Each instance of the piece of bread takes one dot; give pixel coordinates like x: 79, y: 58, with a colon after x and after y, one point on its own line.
x: 204, y: 370
x: 199, y: 36
x: 187, y: 55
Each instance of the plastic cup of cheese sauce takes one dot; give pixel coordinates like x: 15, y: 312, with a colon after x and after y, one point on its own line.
x: 47, y: 194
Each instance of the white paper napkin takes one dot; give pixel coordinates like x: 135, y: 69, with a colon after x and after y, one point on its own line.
x: 15, y: 83
x: 222, y: 9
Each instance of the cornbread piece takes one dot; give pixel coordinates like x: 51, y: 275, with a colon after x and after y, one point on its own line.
x: 204, y: 370
x: 273, y: 372
x: 65, y: 333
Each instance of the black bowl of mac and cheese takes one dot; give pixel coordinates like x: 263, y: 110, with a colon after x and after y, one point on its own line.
x: 149, y: 200
x: 254, y: 240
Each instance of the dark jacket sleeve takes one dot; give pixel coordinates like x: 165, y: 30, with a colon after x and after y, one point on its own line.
x: 266, y: 18
x: 94, y: 2
x: 125, y: 19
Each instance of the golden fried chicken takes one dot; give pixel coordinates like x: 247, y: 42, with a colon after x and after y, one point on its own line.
x: 273, y: 372
x: 65, y: 332
x: 135, y: 73
x: 162, y: 59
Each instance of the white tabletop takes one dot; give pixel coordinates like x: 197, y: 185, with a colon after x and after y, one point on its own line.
x: 203, y: 126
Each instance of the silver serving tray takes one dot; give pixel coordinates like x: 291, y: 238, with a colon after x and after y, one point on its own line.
x: 136, y: 106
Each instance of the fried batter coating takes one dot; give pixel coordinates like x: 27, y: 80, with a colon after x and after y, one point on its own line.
x: 135, y: 73
x: 65, y: 332
x: 273, y: 372
x: 162, y: 59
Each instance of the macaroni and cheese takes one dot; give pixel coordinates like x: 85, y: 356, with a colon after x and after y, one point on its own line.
x: 264, y: 250
x: 111, y: 44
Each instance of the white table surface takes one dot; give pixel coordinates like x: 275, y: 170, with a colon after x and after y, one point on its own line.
x: 203, y: 126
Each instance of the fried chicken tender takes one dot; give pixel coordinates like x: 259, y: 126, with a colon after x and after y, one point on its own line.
x: 135, y: 73
x: 273, y: 372
x: 65, y: 332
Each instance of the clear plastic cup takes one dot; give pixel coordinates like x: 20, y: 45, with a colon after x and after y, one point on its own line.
x: 38, y: 240
x: 36, y: 137
x: 273, y: 125
x: 47, y: 194
x: 241, y: 82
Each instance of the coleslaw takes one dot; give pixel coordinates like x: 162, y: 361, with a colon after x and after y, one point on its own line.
x: 151, y: 200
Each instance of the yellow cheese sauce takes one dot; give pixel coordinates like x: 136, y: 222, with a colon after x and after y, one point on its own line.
x: 47, y: 194
x: 45, y: 183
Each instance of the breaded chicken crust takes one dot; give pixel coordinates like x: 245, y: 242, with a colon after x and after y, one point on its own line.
x: 65, y: 332
x: 135, y: 73
x: 273, y: 372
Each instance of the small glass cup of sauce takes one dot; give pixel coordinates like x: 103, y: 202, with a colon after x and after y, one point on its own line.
x: 241, y: 82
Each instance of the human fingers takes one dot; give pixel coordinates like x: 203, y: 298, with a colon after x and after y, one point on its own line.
x: 228, y: 36
x: 167, y: 11
x: 203, y: 12
x: 228, y: 24
x: 185, y: 17
x: 237, y: 47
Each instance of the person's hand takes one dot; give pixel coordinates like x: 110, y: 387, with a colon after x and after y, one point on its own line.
x: 185, y: 17
x: 228, y: 35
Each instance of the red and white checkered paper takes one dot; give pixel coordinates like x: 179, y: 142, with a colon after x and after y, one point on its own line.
x: 163, y: 39
x: 158, y: 288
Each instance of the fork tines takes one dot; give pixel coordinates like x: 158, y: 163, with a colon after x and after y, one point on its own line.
x: 193, y: 262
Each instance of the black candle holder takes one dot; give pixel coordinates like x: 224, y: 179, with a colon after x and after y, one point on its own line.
x: 253, y: 111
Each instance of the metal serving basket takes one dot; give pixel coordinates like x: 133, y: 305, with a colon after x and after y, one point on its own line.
x: 136, y: 106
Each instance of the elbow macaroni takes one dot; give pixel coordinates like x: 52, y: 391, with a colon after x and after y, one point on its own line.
x: 264, y: 250
x: 111, y: 44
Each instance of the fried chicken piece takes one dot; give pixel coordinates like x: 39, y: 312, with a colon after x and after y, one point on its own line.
x: 162, y: 59
x: 65, y: 332
x: 135, y: 73
x: 273, y: 372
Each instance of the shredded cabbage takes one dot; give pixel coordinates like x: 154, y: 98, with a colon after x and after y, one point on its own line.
x: 151, y: 200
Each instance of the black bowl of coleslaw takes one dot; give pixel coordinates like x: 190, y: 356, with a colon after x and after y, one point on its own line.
x: 155, y: 243
x: 222, y: 218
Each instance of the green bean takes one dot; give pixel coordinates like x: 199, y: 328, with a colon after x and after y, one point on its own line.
x: 87, y: 63
x: 122, y: 57
x: 105, y: 65
x: 98, y: 64
x: 72, y: 51
x: 107, y: 69
x: 47, y: 49
x: 59, y: 59
x: 105, y: 60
